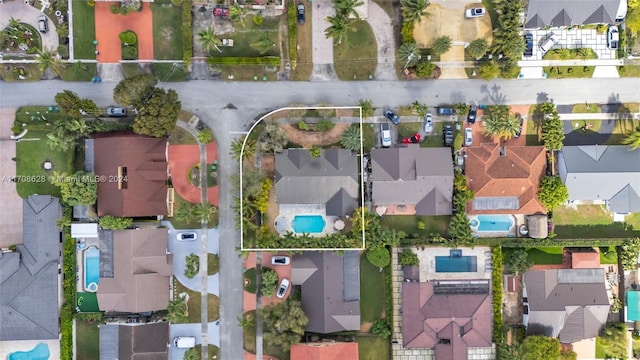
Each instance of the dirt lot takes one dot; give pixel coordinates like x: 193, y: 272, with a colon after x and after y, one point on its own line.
x: 307, y: 139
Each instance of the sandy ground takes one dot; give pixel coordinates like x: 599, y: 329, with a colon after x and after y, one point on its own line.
x: 456, y: 53
x: 308, y: 138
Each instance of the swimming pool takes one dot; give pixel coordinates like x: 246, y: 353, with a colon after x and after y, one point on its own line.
x: 308, y: 224
x: 91, y: 269
x: 492, y: 222
x: 454, y: 264
x: 40, y: 352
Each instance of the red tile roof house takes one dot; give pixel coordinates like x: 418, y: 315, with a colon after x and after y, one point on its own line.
x: 134, y: 174
x: 506, y: 180
x: 451, y: 317
x: 325, y: 351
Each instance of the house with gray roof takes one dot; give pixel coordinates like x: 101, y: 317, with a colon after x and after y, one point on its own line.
x: 412, y: 180
x: 562, y: 13
x: 135, y: 342
x: 330, y: 180
x: 330, y: 290
x: 29, y: 277
x: 570, y: 304
x: 608, y: 174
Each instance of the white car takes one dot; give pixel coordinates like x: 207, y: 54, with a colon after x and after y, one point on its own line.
x: 280, y: 260
x: 428, y: 124
x: 385, y: 134
x: 613, y: 37
x: 284, y: 285
x: 187, y: 236
x: 468, y: 137
x: 549, y: 43
x: 474, y: 13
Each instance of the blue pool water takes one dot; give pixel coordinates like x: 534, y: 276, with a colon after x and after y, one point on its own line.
x: 453, y: 264
x: 40, y: 352
x: 308, y: 224
x: 91, y: 268
x: 493, y: 223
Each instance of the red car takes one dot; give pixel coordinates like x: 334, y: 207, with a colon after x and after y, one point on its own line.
x: 220, y: 11
x: 412, y: 140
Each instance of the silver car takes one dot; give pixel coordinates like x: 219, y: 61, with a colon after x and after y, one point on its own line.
x: 468, y: 137
x: 385, y: 134
x: 428, y: 124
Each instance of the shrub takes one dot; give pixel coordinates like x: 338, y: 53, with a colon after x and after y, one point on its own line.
x: 129, y: 53
x: 303, y: 126
x: 269, y: 282
x: 176, y: 2
x: 325, y: 125
x: 379, y: 257
x: 193, y: 265
x: 496, y: 300
x: 570, y: 70
x: 63, y: 51
x: 109, y: 222
x: 381, y: 328
x: 258, y: 20
x: 115, y: 9
x: 425, y: 69
x: 128, y: 38
x: 187, y: 41
x: 408, y: 258
x: 407, y: 32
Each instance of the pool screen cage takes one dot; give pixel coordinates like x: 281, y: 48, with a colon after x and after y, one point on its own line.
x: 469, y: 287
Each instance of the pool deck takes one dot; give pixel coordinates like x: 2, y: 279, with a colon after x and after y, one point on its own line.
x: 8, y: 347
x: 517, y: 218
x: 288, y: 212
x: 80, y: 262
x: 427, y: 269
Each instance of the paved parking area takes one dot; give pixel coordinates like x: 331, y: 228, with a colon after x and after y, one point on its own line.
x: 10, y: 224
x: 572, y: 39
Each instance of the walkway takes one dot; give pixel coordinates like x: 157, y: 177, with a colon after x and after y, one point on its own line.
x: 322, y: 52
x: 29, y: 15
x: 109, y: 27
x: 382, y: 28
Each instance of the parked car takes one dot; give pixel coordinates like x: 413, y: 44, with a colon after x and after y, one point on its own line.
x: 284, y: 285
x: 415, y: 139
x: 301, y: 13
x: 43, y: 24
x: 395, y: 119
x: 184, y: 342
x: 428, y: 124
x: 446, y: 111
x: 448, y: 135
x: 613, y: 37
x: 528, y: 41
x: 116, y: 111
x: 468, y: 137
x: 187, y: 236
x: 519, y: 117
x: 385, y: 134
x: 280, y: 260
x: 471, y: 116
x: 474, y: 12
x: 549, y: 43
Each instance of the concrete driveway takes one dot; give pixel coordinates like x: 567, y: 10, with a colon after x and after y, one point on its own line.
x: 29, y: 15
x: 382, y: 27
x: 572, y: 39
x: 322, y: 52
x: 194, y: 330
x: 10, y: 225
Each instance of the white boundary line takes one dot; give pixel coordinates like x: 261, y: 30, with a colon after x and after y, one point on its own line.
x: 242, y: 248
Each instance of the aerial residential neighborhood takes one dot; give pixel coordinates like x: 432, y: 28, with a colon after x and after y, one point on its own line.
x: 319, y: 180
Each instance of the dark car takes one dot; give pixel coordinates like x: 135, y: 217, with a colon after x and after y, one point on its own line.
x: 300, y: 13
x: 528, y: 41
x: 471, y: 117
x: 448, y: 135
x: 519, y: 131
x: 395, y: 119
x: 446, y: 111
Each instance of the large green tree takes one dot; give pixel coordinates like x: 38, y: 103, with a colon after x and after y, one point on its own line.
x: 284, y: 323
x: 414, y: 10
x: 177, y: 310
x: 273, y: 139
x: 80, y: 188
x: 351, y: 138
x: 489, y: 70
x: 49, y: 59
x: 540, y: 347
x: 208, y: 39
x: 159, y: 114
x: 478, y: 48
x: 339, y: 27
x: 409, y: 54
x: 367, y: 107
x: 269, y: 282
x: 347, y: 8
x: 553, y: 192
x: 441, y: 45
x: 133, y: 91
x: 552, y: 127
x: 499, y: 122
x: 519, y: 261
x: 74, y: 107
x: 115, y: 223
x: 460, y: 230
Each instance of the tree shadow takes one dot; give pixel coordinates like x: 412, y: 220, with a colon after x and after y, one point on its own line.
x: 493, y: 95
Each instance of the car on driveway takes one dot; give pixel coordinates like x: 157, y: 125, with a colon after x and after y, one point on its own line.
x: 549, y: 43
x: 613, y: 37
x: 395, y: 119
x: 114, y: 111
x: 446, y: 111
x: 280, y: 260
x: 43, y: 24
x: 448, y: 135
x: 471, y: 116
x: 428, y: 124
x: 528, y: 44
x: 300, y: 13
x: 519, y: 131
x: 385, y: 134
x: 414, y: 139
x: 474, y: 12
x: 468, y: 137
x: 187, y: 236
x: 284, y: 285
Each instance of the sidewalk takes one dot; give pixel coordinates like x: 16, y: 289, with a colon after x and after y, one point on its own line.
x: 599, y: 116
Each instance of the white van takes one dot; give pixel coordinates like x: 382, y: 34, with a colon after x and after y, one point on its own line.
x: 549, y: 43
x: 184, y: 342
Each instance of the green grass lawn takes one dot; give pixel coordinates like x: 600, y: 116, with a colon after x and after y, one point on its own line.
x: 356, y: 58
x: 84, y: 30
x: 629, y: 71
x: 371, y: 347
x: 247, y: 73
x: 243, y: 37
x: 545, y: 255
x: 368, y: 136
x: 30, y: 156
x: 87, y: 340
x: 589, y: 222
x: 406, y: 129
x: 409, y: 224
x: 180, y: 136
x: 562, y: 72
x: 169, y: 72
x: 249, y: 333
x: 179, y: 201
x: 608, y: 255
x: 613, y: 344
x: 250, y: 280
x: 582, y: 215
x: 10, y: 72
x: 195, y: 301
x: 372, y: 292
x: 167, y: 31
x: 78, y: 72
x: 214, y: 351
x: 213, y: 264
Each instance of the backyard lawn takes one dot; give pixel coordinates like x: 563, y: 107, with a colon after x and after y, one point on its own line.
x: 356, y: 58
x: 167, y: 31
x: 372, y: 294
x: 545, y: 255
x: 589, y: 222
x: 372, y: 347
x: 213, y: 303
x: 84, y: 30
x: 409, y: 224
x: 87, y: 340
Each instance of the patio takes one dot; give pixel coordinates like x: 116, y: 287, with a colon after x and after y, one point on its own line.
x: 427, y: 269
x: 288, y: 212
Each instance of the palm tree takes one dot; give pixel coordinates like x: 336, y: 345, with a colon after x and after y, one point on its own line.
x: 419, y: 108
x: 249, y: 151
x: 347, y: 8
x: 414, y: 10
x: 499, y: 122
x: 564, y: 54
x: 351, y: 138
x: 339, y: 28
x: 208, y: 39
x: 264, y: 43
x: 49, y: 59
x: 478, y: 48
x: 584, y: 53
x: 632, y: 139
x: 177, y: 310
x: 236, y: 13
x: 409, y: 54
x: 441, y: 45
x: 186, y: 212
x: 367, y: 107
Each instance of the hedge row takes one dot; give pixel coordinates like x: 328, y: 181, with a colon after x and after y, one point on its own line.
x: 187, y: 41
x: 292, y: 19
x: 417, y: 240
x: 496, y: 284
x: 69, y: 291
x: 229, y: 60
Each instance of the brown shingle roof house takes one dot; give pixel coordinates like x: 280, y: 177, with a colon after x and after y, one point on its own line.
x: 138, y: 342
x: 505, y: 179
x: 447, y: 316
x: 142, y: 161
x: 141, y: 270
x: 413, y: 177
x: 325, y: 351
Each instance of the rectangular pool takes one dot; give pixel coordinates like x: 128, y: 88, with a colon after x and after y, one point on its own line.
x: 492, y: 222
x: 308, y: 224
x: 454, y: 264
x: 91, y: 269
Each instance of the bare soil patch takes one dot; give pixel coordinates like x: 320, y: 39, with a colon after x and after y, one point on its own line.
x: 457, y: 27
x: 308, y: 139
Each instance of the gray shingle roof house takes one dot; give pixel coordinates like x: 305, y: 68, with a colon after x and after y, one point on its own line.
x: 559, y: 13
x: 413, y: 176
x: 330, y: 290
x: 138, y: 342
x: 449, y: 317
x: 609, y: 173
x: 570, y: 304
x: 331, y: 179
x: 141, y: 270
x: 29, y: 277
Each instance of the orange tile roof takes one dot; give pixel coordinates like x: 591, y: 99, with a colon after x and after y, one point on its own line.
x: 585, y: 260
x: 515, y: 174
x: 325, y: 351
